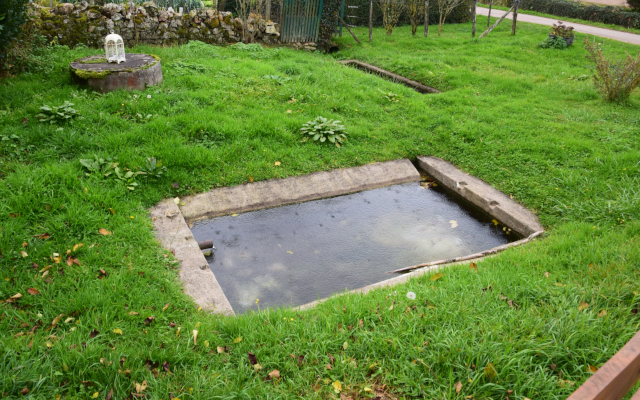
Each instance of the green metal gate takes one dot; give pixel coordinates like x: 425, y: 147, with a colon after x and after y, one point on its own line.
x: 300, y: 20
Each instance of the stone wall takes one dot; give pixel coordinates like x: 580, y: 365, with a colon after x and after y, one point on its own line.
x: 146, y: 24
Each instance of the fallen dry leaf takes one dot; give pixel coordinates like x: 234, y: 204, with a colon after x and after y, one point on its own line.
x: 337, y: 386
x: 94, y: 333
x: 602, y: 313
x: 104, y: 231
x: 220, y: 349
x: 24, y: 254
x: 437, y: 276
x: 165, y: 307
x: 473, y: 266
x: 42, y: 236
x: 277, y: 163
x: 454, y: 224
x: 33, y: 291
x: 583, y: 306
x: 195, y: 337
x: 275, y: 374
x: 253, y: 360
x: 458, y: 387
x: 56, y: 320
x: 117, y: 331
x: 592, y: 369
x: 149, y: 320
x: 328, y: 366
x: 237, y: 340
x: 140, y: 387
x: 546, y: 274
x: 25, y: 391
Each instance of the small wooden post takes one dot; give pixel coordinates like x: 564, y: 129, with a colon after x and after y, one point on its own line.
x: 489, y: 16
x: 267, y: 12
x: 473, y: 30
x: 515, y: 16
x: 370, y: 20
x: 341, y: 17
x: 349, y: 29
x: 497, y: 22
x: 426, y: 18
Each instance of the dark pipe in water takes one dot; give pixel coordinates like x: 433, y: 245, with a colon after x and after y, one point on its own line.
x: 205, y: 244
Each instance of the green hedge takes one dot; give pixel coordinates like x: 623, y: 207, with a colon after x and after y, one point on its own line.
x: 360, y: 16
x: 564, y: 8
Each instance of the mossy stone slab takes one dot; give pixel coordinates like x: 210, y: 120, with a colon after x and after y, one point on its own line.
x: 136, y: 73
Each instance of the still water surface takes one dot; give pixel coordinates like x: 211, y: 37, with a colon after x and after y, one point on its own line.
x: 295, y: 254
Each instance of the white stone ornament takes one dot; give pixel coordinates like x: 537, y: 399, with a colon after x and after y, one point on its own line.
x: 114, y: 48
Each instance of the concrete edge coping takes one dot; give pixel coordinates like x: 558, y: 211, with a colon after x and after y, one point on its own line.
x: 200, y: 283
x: 279, y: 192
x: 417, y: 86
x: 481, y: 195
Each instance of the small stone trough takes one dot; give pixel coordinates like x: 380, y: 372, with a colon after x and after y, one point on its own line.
x: 200, y: 283
x: 417, y: 86
x: 136, y: 73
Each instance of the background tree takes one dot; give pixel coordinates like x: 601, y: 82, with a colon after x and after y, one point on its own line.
x: 391, y: 10
x: 445, y: 7
x: 416, y: 10
x: 13, y: 14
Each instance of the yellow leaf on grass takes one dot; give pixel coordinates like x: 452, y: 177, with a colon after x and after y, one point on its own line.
x: 104, y: 231
x: 592, y: 369
x: 117, y: 331
x: 95, y: 395
x: 337, y: 386
x: 195, y: 337
x: 490, y: 371
x: 206, y: 343
x: 165, y: 307
x: 237, y: 340
x: 276, y: 163
x: 24, y: 254
x: 345, y: 345
x: 437, y: 276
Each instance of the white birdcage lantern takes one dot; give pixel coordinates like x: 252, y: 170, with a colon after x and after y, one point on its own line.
x: 114, y: 48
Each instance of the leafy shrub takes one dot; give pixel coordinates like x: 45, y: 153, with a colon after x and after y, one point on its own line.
x: 615, y: 80
x: 323, y: 129
x: 553, y: 42
x: 634, y: 4
x: 63, y: 113
x: 13, y: 14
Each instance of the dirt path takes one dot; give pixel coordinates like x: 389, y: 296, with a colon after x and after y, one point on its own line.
x: 591, y: 30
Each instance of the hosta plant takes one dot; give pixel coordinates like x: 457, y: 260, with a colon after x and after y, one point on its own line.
x: 322, y: 129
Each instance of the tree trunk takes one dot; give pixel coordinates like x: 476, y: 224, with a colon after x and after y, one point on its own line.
x: 440, y: 23
x: 473, y: 30
x: 414, y: 25
x: 370, y: 21
x: 489, y: 16
x: 426, y: 18
x: 221, y: 5
x: 515, y: 17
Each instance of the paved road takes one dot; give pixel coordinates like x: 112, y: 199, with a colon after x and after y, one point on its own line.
x: 622, y: 3
x: 591, y: 30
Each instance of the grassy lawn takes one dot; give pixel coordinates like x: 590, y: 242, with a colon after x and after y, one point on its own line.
x: 563, y: 19
x: 516, y: 116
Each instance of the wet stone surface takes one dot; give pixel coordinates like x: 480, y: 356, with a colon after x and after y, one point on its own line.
x: 295, y: 254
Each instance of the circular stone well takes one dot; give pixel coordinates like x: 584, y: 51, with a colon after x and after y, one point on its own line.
x: 138, y: 72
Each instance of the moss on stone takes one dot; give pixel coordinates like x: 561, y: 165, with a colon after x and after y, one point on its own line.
x: 101, y: 60
x: 82, y: 74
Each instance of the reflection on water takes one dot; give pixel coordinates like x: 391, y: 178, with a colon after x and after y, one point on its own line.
x: 292, y: 255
